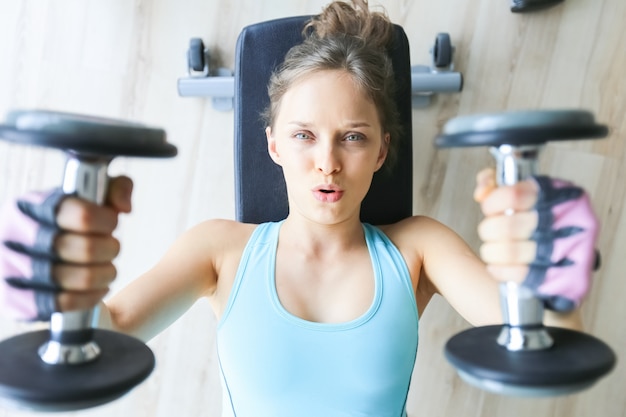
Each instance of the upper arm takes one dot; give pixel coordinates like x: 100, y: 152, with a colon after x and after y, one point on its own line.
x: 188, y: 271
x: 460, y: 276
x: 444, y: 264
x: 449, y: 267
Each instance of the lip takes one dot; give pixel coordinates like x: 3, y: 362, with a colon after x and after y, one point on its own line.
x: 327, y: 193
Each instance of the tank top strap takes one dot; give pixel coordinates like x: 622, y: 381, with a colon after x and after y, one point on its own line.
x: 377, y: 239
x: 264, y: 234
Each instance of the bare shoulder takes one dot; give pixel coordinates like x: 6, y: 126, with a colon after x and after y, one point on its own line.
x: 430, y: 240
x: 415, y: 232
x: 430, y: 250
x: 414, y: 237
x: 221, y: 244
x: 217, y: 239
x: 420, y: 238
x: 222, y: 231
x: 203, y: 250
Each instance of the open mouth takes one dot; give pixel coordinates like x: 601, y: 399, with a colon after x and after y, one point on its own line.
x: 328, y: 193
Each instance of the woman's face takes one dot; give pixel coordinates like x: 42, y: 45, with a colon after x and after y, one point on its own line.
x: 328, y: 139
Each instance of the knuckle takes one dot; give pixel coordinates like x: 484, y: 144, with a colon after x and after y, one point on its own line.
x: 516, y: 196
x: 114, y: 221
x: 508, y: 252
x: 67, y: 301
x: 100, y: 248
x: 107, y: 220
x: 483, y: 230
x: 84, y: 219
x: 72, y: 247
x: 498, y: 228
x: 82, y: 216
x: 88, y: 248
x: 87, y: 279
x: 100, y: 277
x: 62, y: 246
x: 74, y: 215
x: 485, y: 252
x: 116, y: 246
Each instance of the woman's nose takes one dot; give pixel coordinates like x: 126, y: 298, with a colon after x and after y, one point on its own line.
x: 327, y: 158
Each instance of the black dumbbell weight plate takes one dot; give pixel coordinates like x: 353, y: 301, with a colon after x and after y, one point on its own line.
x: 576, y: 361
x: 85, y: 134
x: 528, y: 127
x: 26, y: 382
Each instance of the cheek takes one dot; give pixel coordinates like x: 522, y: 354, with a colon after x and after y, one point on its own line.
x: 294, y: 164
x: 362, y: 173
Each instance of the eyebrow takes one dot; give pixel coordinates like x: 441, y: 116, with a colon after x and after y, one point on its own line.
x: 351, y: 125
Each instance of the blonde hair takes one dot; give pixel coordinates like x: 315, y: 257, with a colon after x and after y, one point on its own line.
x: 351, y: 38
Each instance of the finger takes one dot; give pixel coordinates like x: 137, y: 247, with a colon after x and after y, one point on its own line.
x: 76, y: 248
x: 508, y: 253
x: 517, y: 226
x: 119, y: 194
x: 71, y: 301
x: 513, y: 273
x: 83, y: 278
x: 519, y: 197
x: 78, y: 215
x: 485, y: 183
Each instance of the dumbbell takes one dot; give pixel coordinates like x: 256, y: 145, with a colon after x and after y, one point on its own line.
x: 523, y: 357
x: 72, y: 365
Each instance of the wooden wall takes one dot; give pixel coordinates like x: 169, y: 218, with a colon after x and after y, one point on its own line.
x: 121, y: 58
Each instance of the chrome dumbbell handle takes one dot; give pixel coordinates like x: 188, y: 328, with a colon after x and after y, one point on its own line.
x: 71, y: 333
x: 522, y: 311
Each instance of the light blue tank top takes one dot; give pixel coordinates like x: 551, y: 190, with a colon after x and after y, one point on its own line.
x: 274, y: 364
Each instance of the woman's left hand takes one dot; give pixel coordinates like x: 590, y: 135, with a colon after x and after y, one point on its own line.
x: 540, y: 233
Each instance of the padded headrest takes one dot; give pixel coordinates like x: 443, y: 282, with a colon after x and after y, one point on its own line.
x: 260, y: 191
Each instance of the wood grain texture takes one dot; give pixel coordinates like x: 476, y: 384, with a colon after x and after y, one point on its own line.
x: 121, y: 58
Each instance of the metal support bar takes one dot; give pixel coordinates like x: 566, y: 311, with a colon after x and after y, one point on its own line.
x: 425, y: 80
x: 206, y: 87
x: 220, y: 87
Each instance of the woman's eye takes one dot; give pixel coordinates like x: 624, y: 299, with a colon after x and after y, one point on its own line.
x: 301, y: 135
x: 353, y: 137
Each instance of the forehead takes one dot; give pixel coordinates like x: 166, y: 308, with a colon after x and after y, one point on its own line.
x: 328, y: 94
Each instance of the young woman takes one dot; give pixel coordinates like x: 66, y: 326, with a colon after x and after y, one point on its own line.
x: 318, y: 314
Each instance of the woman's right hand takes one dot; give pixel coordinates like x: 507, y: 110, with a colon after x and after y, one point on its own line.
x: 64, y: 263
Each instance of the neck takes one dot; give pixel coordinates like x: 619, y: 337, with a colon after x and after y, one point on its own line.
x: 312, y: 237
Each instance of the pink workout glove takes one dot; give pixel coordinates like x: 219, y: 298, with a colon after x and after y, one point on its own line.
x: 566, y: 236
x: 27, y: 232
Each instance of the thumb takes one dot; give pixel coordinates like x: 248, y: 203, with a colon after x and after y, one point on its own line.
x: 119, y: 193
x: 485, y: 184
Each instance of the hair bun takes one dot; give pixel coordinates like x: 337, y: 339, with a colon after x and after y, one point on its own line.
x: 356, y: 19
